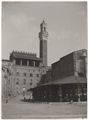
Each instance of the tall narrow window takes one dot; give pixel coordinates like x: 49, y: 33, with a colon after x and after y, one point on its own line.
x: 24, y: 74
x: 24, y: 62
x: 30, y: 83
x: 17, y: 74
x: 24, y: 81
x: 17, y: 82
x: 31, y: 74
x: 37, y: 75
x: 31, y: 63
x: 17, y: 61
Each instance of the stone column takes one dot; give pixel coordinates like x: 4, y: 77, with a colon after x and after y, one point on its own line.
x: 21, y: 62
x: 27, y: 62
x: 14, y: 61
x: 60, y: 93
x: 34, y: 63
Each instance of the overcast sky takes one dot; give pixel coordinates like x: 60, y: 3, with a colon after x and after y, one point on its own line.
x: 66, y: 25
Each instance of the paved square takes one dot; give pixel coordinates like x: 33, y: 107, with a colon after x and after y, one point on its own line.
x: 18, y: 109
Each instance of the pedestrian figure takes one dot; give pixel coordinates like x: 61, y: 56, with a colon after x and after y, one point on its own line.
x: 31, y: 97
x: 71, y: 99
x: 24, y: 92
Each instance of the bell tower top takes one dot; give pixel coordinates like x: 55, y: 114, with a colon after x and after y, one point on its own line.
x: 43, y: 26
x: 43, y: 34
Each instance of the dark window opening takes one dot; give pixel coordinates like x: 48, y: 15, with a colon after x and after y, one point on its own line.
x: 17, y: 73
x: 31, y: 63
x: 31, y: 83
x: 17, y: 61
x: 81, y: 74
x: 9, y: 81
x: 24, y: 74
x: 5, y: 76
x: 24, y: 81
x: 3, y: 69
x: 24, y: 62
x: 17, y: 82
x: 44, y: 28
x: 31, y: 74
x: 37, y: 64
x: 37, y: 75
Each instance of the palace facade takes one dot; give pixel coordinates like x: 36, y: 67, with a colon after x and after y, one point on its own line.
x: 24, y: 70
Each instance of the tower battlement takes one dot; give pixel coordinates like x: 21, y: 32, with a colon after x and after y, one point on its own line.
x: 43, y: 34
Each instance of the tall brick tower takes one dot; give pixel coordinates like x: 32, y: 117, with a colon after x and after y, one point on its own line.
x: 43, y: 36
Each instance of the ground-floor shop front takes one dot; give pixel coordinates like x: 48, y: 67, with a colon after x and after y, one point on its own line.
x: 61, y: 92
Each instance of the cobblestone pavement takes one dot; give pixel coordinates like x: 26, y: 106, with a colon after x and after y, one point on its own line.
x: 17, y: 109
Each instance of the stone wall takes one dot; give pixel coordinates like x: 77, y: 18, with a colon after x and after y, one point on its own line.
x: 64, y: 67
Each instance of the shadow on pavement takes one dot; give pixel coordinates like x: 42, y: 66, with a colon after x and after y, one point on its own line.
x: 26, y: 100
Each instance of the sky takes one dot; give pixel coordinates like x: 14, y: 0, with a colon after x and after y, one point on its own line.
x: 66, y: 26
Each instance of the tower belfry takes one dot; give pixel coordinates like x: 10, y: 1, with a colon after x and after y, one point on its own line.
x: 43, y: 36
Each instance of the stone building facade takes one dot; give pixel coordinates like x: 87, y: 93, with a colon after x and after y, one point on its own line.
x: 26, y: 68
x: 7, y: 78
